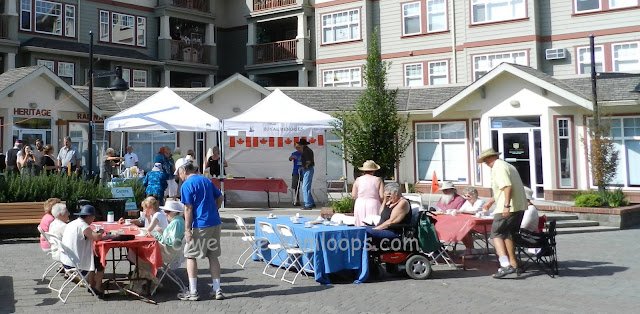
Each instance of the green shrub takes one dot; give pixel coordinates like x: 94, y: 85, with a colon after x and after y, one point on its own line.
x: 344, y: 205
x: 614, y: 198
x: 589, y: 200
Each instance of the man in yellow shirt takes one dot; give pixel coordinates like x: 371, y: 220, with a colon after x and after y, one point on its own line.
x: 511, y: 202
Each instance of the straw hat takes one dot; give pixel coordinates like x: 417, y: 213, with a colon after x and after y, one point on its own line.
x: 369, y: 165
x: 173, y: 206
x: 446, y: 185
x: 487, y: 153
x: 157, y: 167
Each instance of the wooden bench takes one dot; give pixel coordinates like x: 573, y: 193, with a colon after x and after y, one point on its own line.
x: 28, y: 213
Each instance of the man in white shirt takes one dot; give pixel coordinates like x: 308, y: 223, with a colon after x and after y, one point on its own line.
x: 77, y: 241
x: 130, y: 158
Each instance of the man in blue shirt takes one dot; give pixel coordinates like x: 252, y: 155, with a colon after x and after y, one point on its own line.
x: 201, y: 201
x: 296, y: 157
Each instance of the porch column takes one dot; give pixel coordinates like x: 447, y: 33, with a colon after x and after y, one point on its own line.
x: 10, y: 60
x: 210, y: 81
x: 302, y: 45
x: 303, y: 77
x: 251, y: 40
x: 209, y: 41
x: 164, y: 40
x: 165, y: 79
x: 11, y: 13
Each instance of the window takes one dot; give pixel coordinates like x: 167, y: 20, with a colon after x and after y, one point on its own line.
x: 49, y: 64
x: 596, y: 5
x: 25, y: 15
x: 126, y: 75
x: 625, y: 132
x: 147, y: 145
x: 48, y: 17
x: 626, y: 57
x: 615, y: 4
x: 341, y: 27
x: 139, y: 78
x: 476, y: 151
x: 484, y: 63
x: 436, y: 15
x: 584, y: 59
x: 123, y: 29
x: 70, y: 20
x: 565, y: 155
x: 66, y: 72
x: 335, y: 163
x: 485, y: 11
x: 413, y: 75
x: 587, y: 5
x: 438, y: 73
x: 78, y: 131
x: 411, y: 19
x: 442, y: 147
x: 342, y: 78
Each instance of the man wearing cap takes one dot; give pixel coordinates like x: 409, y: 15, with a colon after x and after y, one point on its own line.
x: 130, y: 158
x: 450, y: 199
x: 307, y: 174
x: 78, y: 240
x: 11, y: 159
x: 68, y: 156
x: 510, y: 200
x: 201, y: 201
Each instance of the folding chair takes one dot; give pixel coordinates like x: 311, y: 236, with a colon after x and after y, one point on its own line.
x: 267, y: 228
x: 166, y: 270
x: 336, y: 186
x: 254, y: 244
x: 414, y: 199
x: 72, y: 272
x: 295, y: 253
x: 56, y: 263
x: 539, y: 248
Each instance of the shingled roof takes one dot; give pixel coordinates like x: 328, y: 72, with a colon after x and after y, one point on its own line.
x: 102, y: 99
x: 12, y: 76
x: 610, y: 86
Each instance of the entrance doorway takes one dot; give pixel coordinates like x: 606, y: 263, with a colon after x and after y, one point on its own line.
x: 30, y: 136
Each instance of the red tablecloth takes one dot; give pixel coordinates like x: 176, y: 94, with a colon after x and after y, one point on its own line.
x: 454, y: 228
x: 147, y: 248
x: 258, y: 185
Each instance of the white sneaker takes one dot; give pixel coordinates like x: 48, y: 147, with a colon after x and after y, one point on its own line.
x: 188, y: 296
x: 217, y: 294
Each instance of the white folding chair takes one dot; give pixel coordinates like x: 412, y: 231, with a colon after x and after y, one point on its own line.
x: 414, y: 198
x: 55, y: 264
x: 166, y: 270
x: 336, y: 186
x: 267, y: 228
x: 254, y: 244
x: 443, y: 254
x: 72, y: 272
x: 295, y: 253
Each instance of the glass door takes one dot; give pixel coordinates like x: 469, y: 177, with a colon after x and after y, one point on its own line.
x: 521, y: 148
x: 29, y: 137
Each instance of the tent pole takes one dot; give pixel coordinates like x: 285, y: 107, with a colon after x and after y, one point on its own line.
x: 221, y: 134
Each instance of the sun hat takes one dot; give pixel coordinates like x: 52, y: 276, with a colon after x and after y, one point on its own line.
x: 87, y: 210
x: 303, y: 142
x: 528, y: 193
x: 446, y: 185
x: 157, y: 167
x: 369, y: 165
x: 173, y: 206
x: 487, y: 153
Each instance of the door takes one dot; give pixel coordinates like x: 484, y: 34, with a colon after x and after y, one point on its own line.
x: 30, y: 136
x: 521, y: 148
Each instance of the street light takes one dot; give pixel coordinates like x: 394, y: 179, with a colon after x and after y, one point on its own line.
x: 118, y: 90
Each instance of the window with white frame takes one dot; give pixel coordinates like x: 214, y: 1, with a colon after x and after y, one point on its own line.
x: 438, y: 73
x: 48, y: 63
x: 350, y: 77
x: 411, y: 23
x: 104, y: 26
x: 141, y: 31
x: 46, y: 17
x: 626, y: 57
x: 126, y: 75
x: 476, y: 151
x: 123, y: 29
x: 584, y: 59
x: 147, y: 145
x: 587, y: 5
x: 139, y: 78
x: 66, y: 72
x: 596, y: 5
x: 25, y: 15
x: 565, y: 155
x: 616, y: 4
x: 341, y: 26
x: 485, y: 11
x: 78, y: 131
x: 625, y: 133
x: 335, y: 163
x: 442, y: 147
x: 485, y: 63
x: 413, y: 75
x: 70, y: 20
x: 436, y: 15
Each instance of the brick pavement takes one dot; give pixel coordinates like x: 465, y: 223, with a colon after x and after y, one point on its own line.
x: 598, y: 273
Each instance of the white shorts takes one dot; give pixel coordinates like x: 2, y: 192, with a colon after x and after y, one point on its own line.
x: 172, y: 188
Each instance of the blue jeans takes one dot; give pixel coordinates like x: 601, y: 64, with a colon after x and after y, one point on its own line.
x: 307, y: 177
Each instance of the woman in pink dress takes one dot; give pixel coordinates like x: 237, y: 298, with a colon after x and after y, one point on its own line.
x: 368, y: 191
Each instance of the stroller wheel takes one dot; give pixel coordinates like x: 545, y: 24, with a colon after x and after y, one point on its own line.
x: 418, y: 267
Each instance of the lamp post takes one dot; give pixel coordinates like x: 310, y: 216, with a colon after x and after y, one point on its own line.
x: 118, y: 90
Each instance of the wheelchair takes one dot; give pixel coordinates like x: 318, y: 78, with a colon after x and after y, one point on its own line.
x: 417, y: 240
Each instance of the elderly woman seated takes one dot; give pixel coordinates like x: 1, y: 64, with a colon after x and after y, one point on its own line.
x: 394, y: 210
x: 46, y: 221
x: 61, y: 214
x: 151, y: 218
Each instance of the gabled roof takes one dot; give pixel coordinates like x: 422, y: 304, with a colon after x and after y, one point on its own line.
x: 233, y: 78
x: 102, y: 99
x: 13, y: 79
x: 525, y: 73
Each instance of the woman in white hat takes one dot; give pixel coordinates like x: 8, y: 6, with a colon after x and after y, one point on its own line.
x: 368, y: 191
x: 170, y: 239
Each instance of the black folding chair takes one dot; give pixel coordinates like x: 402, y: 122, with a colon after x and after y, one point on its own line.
x: 539, y: 249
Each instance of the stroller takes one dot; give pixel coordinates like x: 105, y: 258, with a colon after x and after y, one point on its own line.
x: 418, y: 240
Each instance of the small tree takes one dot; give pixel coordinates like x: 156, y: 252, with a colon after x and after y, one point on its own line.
x: 602, y: 155
x: 373, y: 130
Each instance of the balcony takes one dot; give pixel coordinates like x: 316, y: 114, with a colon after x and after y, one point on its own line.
x: 193, y: 52
x: 199, y: 5
x: 275, y: 52
x: 4, y: 26
x: 261, y: 5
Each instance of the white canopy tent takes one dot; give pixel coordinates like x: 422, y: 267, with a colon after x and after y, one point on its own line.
x: 163, y: 111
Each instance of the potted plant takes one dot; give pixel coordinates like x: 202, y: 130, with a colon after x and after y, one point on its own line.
x: 343, y: 206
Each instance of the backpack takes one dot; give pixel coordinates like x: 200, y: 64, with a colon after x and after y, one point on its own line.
x: 427, y: 236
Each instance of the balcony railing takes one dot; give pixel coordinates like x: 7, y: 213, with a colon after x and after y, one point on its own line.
x: 274, y: 52
x: 4, y: 26
x: 193, y: 52
x: 259, y: 5
x: 200, y: 5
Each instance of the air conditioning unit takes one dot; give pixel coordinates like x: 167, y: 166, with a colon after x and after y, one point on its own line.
x: 555, y: 53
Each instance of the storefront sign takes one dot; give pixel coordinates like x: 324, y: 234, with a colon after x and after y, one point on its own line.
x: 85, y: 116
x: 32, y: 112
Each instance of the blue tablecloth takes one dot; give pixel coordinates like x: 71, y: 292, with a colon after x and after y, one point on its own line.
x: 337, y: 248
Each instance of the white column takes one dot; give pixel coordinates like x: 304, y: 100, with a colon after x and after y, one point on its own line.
x: 209, y: 35
x: 10, y: 7
x: 251, y: 33
x: 210, y: 81
x: 302, y: 26
x: 10, y: 60
x: 303, y: 77
x: 165, y: 80
x: 165, y: 29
